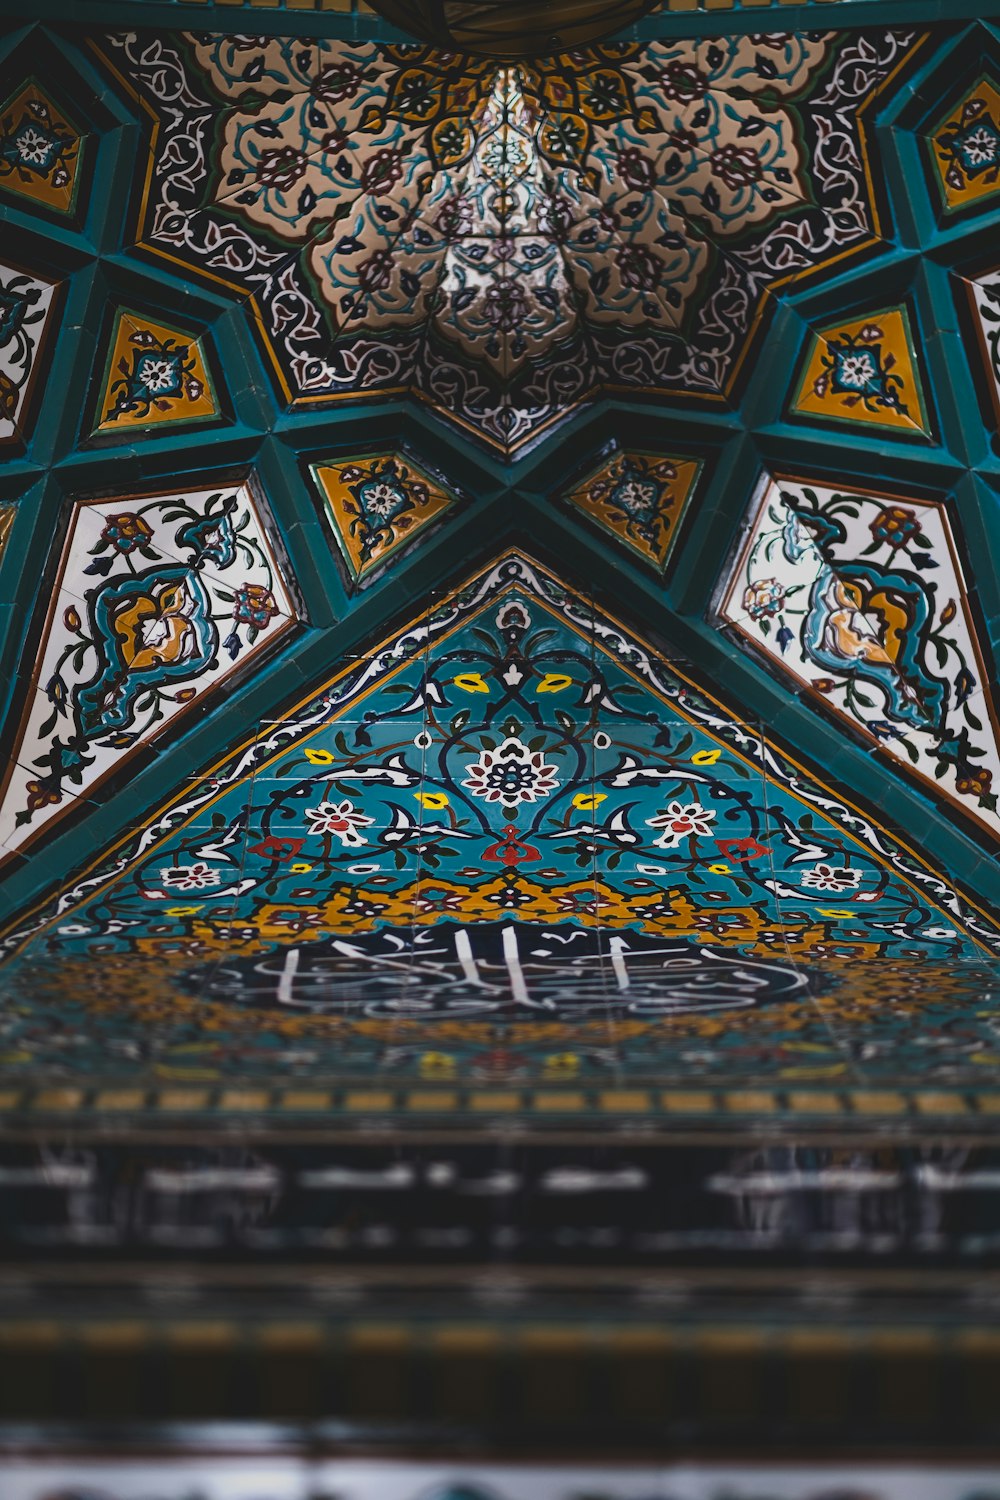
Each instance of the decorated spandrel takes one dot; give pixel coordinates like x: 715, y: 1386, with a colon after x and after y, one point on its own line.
x: 639, y: 498
x: 510, y: 815
x: 157, y: 600
x: 154, y: 374
x: 377, y: 504
x: 860, y: 598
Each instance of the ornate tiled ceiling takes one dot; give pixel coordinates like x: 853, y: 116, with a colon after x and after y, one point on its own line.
x: 500, y: 564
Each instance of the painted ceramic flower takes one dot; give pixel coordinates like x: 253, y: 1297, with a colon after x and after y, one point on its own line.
x: 195, y: 877
x: 737, y: 166
x: 764, y: 596
x: 126, y: 532
x: 281, y: 167
x: 895, y: 525
x: 831, y: 878
x: 511, y: 774
x: 342, y: 820
x: 681, y: 821
x: 254, y: 605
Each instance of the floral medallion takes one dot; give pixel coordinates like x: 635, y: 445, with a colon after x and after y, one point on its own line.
x: 508, y: 826
x: 639, y: 498
x: 158, y: 597
x: 377, y: 505
x: 861, y: 599
x: 865, y: 371
x: 25, y: 318
x: 39, y: 151
x: 966, y: 148
x: 154, y: 374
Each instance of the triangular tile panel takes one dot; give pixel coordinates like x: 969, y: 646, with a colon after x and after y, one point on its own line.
x: 864, y: 371
x: 39, y: 150
x: 377, y: 504
x: 860, y: 599
x: 154, y: 373
x: 639, y: 498
x: 159, y: 598
x: 511, y: 827
x: 985, y: 296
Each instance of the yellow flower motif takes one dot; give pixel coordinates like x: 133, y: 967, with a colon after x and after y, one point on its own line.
x: 587, y: 801
x: 835, y: 911
x: 554, y: 682
x: 471, y: 682
x: 720, y: 869
x: 562, y: 1065
x: 437, y: 1065
x: 705, y: 757
x: 320, y: 757
x: 300, y: 869
x: 433, y: 800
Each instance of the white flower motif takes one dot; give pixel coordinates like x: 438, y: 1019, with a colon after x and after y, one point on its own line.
x: 980, y: 146
x: 857, y: 370
x: 680, y: 821
x: 511, y: 775
x: 190, y: 877
x: 831, y: 878
x: 33, y: 146
x: 341, y: 819
x: 158, y: 374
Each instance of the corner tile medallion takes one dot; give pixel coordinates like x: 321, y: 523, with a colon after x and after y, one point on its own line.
x: 985, y: 296
x: 865, y: 371
x: 509, y: 843
x: 159, y: 598
x: 639, y: 498
x: 378, y: 504
x: 39, y: 150
x: 154, y: 374
x: 25, y: 312
x: 504, y: 242
x: 966, y: 148
x: 861, y: 599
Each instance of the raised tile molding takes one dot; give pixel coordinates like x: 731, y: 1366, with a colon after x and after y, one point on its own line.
x: 159, y: 599
x: 25, y: 314
x: 378, y: 504
x: 639, y: 499
x: 860, y: 599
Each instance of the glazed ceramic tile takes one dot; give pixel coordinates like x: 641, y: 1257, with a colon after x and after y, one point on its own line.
x: 377, y: 505
x: 154, y: 374
x: 860, y: 598
x: 161, y: 595
x: 39, y: 151
x: 459, y: 227
x: 966, y: 148
x: 985, y: 291
x: 493, y: 842
x: 864, y: 371
x: 639, y: 498
x: 25, y: 319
